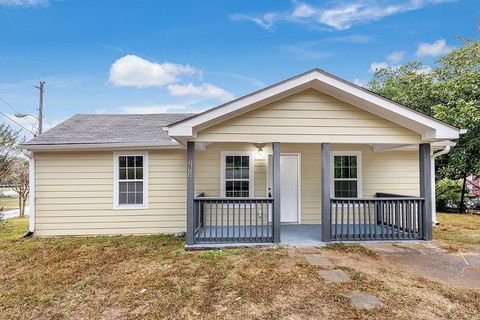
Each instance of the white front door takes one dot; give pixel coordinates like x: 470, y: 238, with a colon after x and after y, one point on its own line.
x: 289, y: 180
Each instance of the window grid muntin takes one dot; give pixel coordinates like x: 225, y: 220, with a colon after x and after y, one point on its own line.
x: 131, y: 182
x: 345, y: 176
x: 237, y: 176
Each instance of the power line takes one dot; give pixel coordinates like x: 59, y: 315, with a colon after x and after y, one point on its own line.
x: 3, y: 114
x: 9, y: 105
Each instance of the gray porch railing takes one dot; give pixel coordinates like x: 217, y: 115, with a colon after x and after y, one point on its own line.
x: 393, y: 218
x: 232, y: 220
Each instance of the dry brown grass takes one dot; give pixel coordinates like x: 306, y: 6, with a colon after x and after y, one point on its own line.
x: 105, y: 278
x: 458, y: 231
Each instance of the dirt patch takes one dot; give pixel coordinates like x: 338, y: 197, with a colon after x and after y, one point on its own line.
x: 105, y: 277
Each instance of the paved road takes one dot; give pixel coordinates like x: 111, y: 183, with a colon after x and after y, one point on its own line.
x: 14, y: 213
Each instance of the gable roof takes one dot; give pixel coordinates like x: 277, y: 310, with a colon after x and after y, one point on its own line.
x: 431, y: 129
x: 112, y: 130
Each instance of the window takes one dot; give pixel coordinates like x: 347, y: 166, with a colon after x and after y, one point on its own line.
x: 346, y: 171
x: 130, y: 180
x: 237, y: 174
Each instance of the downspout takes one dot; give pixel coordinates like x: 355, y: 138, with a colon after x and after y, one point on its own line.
x: 434, y: 155
x: 31, y: 180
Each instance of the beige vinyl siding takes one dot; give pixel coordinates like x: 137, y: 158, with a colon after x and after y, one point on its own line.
x: 387, y: 171
x: 208, y: 173
x: 308, y: 117
x: 74, y: 195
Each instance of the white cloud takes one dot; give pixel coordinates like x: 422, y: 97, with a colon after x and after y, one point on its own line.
x: 205, y: 90
x: 24, y: 3
x: 391, y: 61
x: 338, y: 15
x: 155, y: 108
x: 375, y: 66
x: 265, y: 21
x: 303, y: 10
x: 435, y: 49
x: 100, y: 111
x: 395, y: 57
x: 134, y: 71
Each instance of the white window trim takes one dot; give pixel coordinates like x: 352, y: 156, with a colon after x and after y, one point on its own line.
x: 116, y: 205
x: 359, y: 179
x: 251, y: 170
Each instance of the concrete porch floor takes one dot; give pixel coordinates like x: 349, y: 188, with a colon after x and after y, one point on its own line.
x: 301, y: 234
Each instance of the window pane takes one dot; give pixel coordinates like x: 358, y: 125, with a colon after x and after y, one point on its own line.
x: 122, y: 174
x: 345, y: 173
x: 138, y: 186
x: 245, y: 161
x: 229, y: 161
x: 139, y: 162
x: 131, y: 173
x: 122, y: 162
x: 122, y: 187
x: 237, y: 161
x: 245, y: 173
x: 338, y: 173
x: 237, y: 173
x: 337, y: 161
x: 345, y: 189
x: 345, y: 161
x: 353, y: 161
x: 353, y: 173
x: 130, y: 187
x: 139, y: 198
x: 130, y: 161
x: 122, y: 199
x: 131, y: 198
x: 139, y: 173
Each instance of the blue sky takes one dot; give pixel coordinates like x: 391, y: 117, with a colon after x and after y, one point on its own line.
x: 184, y: 56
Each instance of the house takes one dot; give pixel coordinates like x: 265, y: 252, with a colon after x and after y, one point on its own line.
x: 311, y: 157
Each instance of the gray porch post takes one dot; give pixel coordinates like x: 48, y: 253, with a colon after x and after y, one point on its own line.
x: 425, y: 189
x: 326, y: 219
x: 190, y: 191
x: 276, y: 192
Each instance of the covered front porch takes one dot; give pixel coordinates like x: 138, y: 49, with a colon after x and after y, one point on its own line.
x: 256, y: 220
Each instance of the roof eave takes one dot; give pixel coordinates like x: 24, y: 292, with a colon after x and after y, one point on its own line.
x: 430, y: 128
x: 97, y: 146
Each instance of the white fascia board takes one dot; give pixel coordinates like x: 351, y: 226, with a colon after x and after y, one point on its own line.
x: 430, y: 129
x: 241, y: 105
x: 99, y: 146
x: 403, y: 116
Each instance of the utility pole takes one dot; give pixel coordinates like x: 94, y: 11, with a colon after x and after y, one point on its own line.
x: 40, y: 107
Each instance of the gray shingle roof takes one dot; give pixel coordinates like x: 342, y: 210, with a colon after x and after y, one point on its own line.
x: 140, y: 129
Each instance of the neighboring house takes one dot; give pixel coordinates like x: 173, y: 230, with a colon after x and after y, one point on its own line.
x: 473, y: 185
x: 313, y: 155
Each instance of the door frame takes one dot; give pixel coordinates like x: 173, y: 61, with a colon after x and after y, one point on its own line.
x: 299, y: 182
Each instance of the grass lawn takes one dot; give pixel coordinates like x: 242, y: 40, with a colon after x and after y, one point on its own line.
x: 153, y: 277
x: 458, y: 232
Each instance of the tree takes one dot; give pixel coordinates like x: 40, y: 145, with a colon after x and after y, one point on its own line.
x: 458, y: 86
x: 8, y: 139
x: 449, y: 92
x: 18, y: 176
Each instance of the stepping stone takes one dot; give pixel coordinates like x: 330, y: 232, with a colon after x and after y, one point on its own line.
x: 334, y: 276
x: 364, y: 300
x: 318, y: 260
x: 308, y: 249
